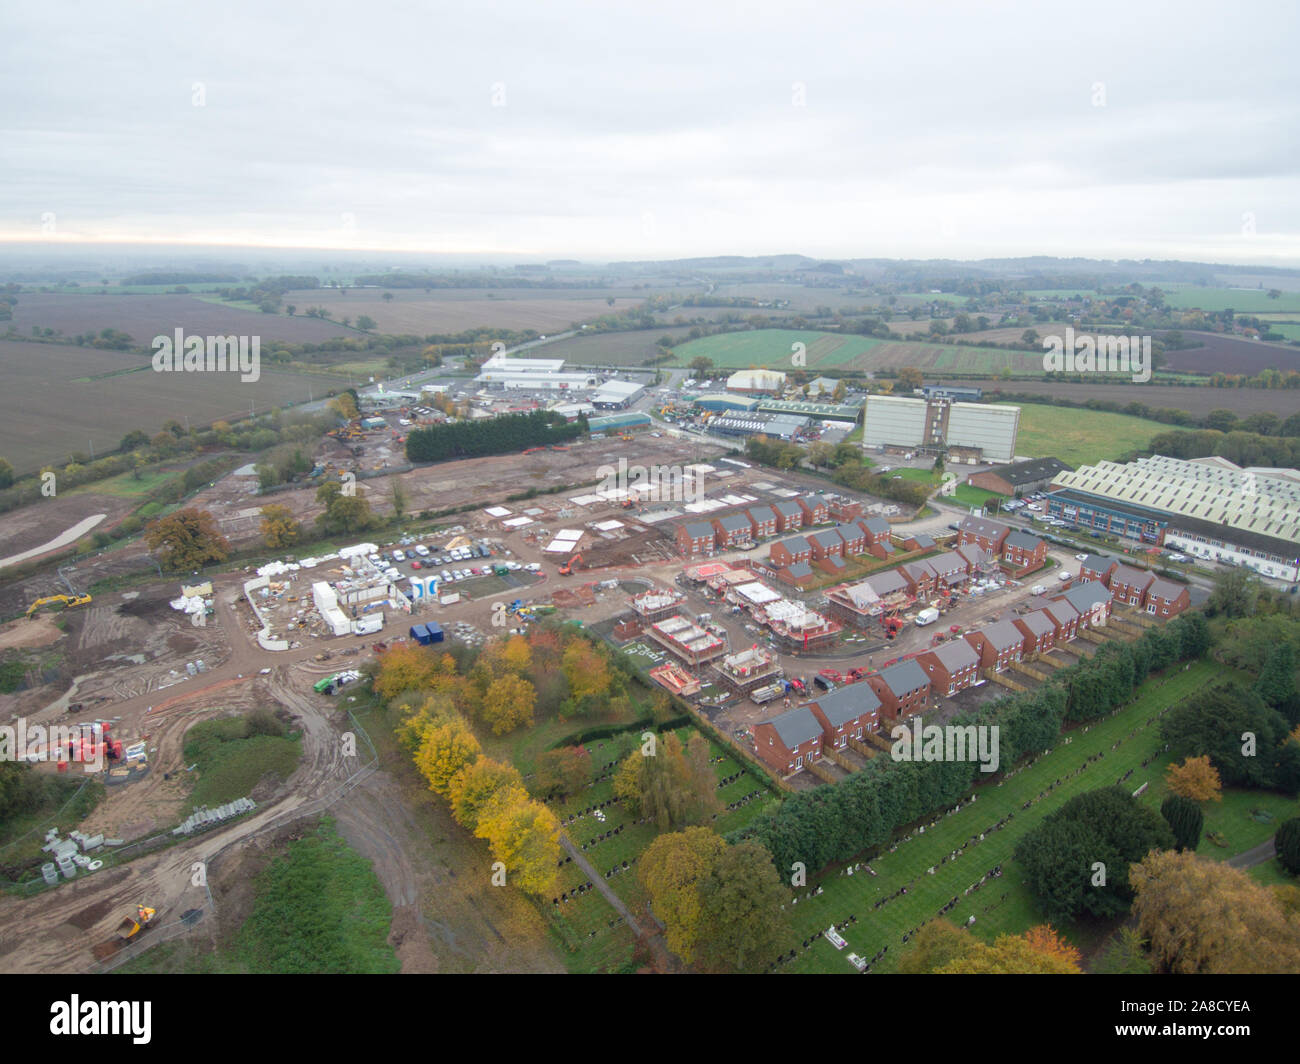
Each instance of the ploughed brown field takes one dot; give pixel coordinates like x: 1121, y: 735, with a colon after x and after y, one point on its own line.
x: 1230, y: 354
x: 55, y: 399
x: 1197, y: 401
x: 414, y: 311
x: 142, y: 317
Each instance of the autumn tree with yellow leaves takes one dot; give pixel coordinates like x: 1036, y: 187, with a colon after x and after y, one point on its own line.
x: 1203, y: 916
x: 1196, y: 779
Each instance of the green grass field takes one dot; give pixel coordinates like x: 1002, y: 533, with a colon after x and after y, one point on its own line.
x: 125, y: 485
x: 963, y: 493
x: 1078, y: 436
x: 319, y: 909
x: 233, y: 756
x: 1134, y: 728
x: 1241, y: 300
x: 772, y: 349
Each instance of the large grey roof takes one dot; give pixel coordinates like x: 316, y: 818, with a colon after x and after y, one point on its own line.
x: 1022, y: 539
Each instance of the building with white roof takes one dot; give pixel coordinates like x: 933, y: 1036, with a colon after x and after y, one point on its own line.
x: 1208, y: 507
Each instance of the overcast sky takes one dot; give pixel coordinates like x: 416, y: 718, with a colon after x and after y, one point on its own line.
x: 610, y: 130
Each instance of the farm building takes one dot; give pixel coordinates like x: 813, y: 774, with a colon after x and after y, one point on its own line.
x: 1019, y: 478
x: 757, y: 380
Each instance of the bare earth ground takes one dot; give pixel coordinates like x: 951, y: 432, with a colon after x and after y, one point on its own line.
x: 441, y: 921
x: 1197, y: 401
x: 53, y: 386
x: 35, y: 525
x: 142, y: 317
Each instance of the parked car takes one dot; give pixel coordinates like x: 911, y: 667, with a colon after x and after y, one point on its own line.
x: 1080, y: 557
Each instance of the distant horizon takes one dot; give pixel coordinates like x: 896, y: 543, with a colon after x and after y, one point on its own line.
x: 144, y: 248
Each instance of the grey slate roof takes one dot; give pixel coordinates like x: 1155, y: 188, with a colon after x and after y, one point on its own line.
x: 1165, y: 589
x: 795, y: 544
x: 956, y: 655
x: 903, y: 677
x: 981, y: 526
x: 734, y: 523
x: 798, y: 570
x: 1083, y: 597
x: 847, y: 703
x: 1038, y: 623
x: 1022, y: 539
x: 1098, y: 563
x: 796, y: 726
x: 1003, y: 634
x: 877, y: 526
x: 889, y: 581
x: 699, y: 530
x: 1126, y: 574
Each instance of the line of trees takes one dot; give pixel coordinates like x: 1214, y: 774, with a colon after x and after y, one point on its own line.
x: 475, y: 439
x: 836, y: 822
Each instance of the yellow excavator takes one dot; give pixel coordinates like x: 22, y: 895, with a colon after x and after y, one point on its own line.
x: 67, y: 601
x: 127, y: 931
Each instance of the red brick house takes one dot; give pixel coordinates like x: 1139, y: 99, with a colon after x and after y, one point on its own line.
x: 949, y: 568
x: 983, y: 533
x: 788, y: 742
x: 695, y: 538
x: 785, y: 552
x: 843, y: 509
x: 1065, y: 617
x: 919, y: 541
x: 903, y: 689
x: 1167, y: 599
x: 816, y: 509
x: 789, y: 515
x: 800, y: 574
x: 1129, y: 585
x: 1023, y: 552
x: 825, y: 544
x: 952, y: 667
x: 733, y: 530
x: 847, y: 713
x: 998, y: 645
x: 1039, y: 631
x: 1097, y: 567
x: 1092, y: 601
x: 921, y: 579
x: 855, y: 540
x: 762, y: 521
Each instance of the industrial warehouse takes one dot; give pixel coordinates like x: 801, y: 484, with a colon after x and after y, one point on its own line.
x: 1209, y: 507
